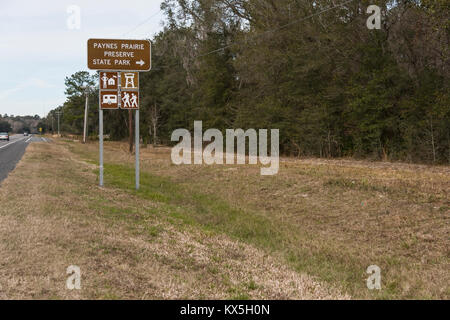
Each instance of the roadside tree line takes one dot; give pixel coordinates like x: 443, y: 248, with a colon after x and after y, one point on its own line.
x: 333, y: 87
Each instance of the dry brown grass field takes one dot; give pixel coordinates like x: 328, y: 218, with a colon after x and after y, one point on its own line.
x: 223, y: 232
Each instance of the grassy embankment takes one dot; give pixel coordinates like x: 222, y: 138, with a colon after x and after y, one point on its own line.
x: 329, y: 219
x: 148, y: 245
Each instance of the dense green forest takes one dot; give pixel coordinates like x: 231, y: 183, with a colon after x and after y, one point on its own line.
x: 312, y: 69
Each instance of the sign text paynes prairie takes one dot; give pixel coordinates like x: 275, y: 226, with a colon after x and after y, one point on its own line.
x: 114, y: 54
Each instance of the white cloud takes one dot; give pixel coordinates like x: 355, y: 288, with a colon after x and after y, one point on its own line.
x: 38, y: 50
x: 29, y: 83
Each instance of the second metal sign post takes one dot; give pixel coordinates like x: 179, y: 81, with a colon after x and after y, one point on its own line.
x: 119, y: 90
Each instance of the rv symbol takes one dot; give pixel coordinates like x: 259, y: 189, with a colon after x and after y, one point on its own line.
x: 110, y: 99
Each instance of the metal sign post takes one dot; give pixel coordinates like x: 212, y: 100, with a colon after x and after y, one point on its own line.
x: 100, y: 136
x: 129, y: 95
x: 120, y: 62
x: 136, y: 120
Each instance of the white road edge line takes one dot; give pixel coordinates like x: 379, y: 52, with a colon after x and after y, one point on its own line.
x: 28, y: 139
x: 11, y: 143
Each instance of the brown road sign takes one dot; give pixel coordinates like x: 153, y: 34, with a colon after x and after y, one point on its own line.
x: 109, y: 80
x: 129, y: 80
x: 117, y: 55
x: 130, y: 99
x: 109, y: 100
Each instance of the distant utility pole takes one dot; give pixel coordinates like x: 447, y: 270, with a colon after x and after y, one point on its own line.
x: 58, y: 113
x: 86, y: 107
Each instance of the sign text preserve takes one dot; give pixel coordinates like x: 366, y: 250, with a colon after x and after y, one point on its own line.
x: 114, y: 54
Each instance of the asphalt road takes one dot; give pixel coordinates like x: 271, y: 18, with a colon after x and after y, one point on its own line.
x: 12, y: 151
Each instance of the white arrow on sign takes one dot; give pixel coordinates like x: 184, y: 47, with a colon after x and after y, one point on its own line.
x: 140, y: 62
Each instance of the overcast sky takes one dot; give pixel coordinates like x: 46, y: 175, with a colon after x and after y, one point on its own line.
x: 38, y: 49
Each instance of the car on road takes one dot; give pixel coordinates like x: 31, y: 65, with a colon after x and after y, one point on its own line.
x: 25, y: 134
x: 4, y: 136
